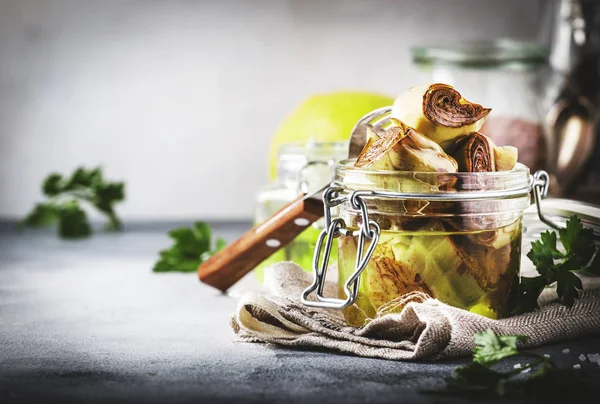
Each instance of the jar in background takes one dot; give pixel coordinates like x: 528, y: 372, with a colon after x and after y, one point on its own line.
x: 454, y: 236
x: 504, y: 74
x: 301, y: 168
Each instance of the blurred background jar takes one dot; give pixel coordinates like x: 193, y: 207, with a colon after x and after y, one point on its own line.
x: 503, y: 74
x: 301, y: 168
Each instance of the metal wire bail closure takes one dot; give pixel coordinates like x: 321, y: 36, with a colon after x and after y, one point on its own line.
x: 369, y: 230
x: 540, y: 184
x: 333, y: 229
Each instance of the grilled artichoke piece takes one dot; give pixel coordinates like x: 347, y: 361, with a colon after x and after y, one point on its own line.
x: 473, y: 153
x: 476, y: 152
x: 404, y: 149
x: 505, y: 157
x: 439, y: 112
x: 386, y: 278
x: 379, y: 153
x: 418, y: 153
x: 481, y: 262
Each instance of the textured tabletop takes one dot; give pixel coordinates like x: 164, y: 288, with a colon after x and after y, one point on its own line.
x: 87, y: 321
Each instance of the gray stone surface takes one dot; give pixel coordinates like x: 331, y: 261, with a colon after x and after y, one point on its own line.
x: 87, y: 321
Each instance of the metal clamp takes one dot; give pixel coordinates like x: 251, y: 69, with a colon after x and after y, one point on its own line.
x: 334, y: 229
x: 540, y: 184
x: 369, y: 229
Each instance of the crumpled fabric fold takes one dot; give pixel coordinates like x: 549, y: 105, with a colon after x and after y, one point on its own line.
x: 425, y: 328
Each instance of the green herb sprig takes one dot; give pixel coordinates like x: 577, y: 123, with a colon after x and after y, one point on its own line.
x: 580, y: 255
x: 538, y: 378
x: 63, y: 203
x: 191, y: 247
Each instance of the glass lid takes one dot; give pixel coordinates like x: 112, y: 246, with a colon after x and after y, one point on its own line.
x: 486, y: 54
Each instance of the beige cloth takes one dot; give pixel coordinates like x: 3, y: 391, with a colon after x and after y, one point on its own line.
x: 424, y: 329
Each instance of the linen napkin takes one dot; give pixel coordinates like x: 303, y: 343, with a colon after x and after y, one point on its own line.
x: 424, y: 328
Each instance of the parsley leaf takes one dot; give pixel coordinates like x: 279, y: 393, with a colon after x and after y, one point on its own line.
x: 575, y: 238
x: 568, y: 286
x: 191, y: 247
x: 524, y: 294
x: 476, y: 379
x: 52, y: 185
x: 491, y: 348
x: 73, y: 222
x: 43, y: 214
x: 541, y: 254
x: 554, y: 266
x: 105, y: 195
x: 63, y: 205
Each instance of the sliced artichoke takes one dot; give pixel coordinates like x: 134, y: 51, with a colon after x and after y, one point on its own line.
x: 484, y: 264
x: 386, y: 278
x: 439, y: 112
x: 505, y: 157
x: 473, y: 153
x: 476, y: 152
x: 405, y: 150
x: 418, y: 153
x: 379, y: 153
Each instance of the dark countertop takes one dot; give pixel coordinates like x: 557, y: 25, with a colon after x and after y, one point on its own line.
x: 87, y: 321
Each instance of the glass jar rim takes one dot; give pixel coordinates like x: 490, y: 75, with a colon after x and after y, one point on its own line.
x: 357, y: 179
x: 504, y: 53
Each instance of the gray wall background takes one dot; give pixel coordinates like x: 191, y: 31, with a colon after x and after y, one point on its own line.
x: 161, y: 93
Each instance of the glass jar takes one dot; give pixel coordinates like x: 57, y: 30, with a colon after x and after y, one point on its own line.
x: 301, y: 168
x: 453, y: 236
x: 505, y: 74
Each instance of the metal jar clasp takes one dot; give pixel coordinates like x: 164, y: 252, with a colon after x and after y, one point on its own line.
x: 334, y: 228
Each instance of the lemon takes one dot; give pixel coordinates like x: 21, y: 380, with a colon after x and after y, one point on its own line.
x: 324, y: 118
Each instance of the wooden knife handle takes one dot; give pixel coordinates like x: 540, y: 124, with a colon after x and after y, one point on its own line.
x: 229, y: 265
